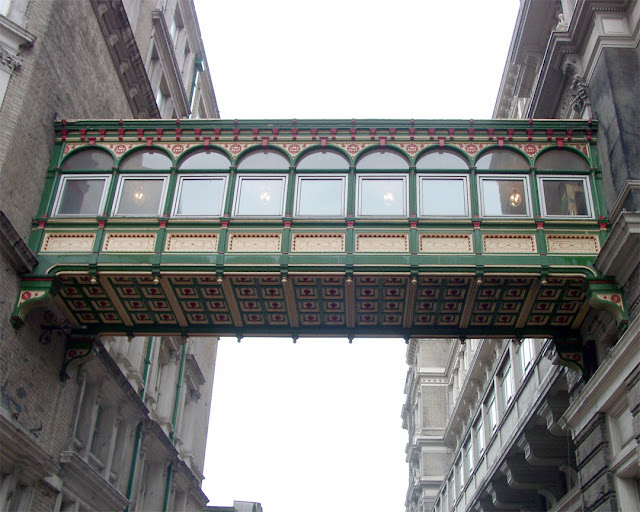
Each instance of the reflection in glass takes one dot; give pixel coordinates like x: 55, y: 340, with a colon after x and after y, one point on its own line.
x: 382, y: 196
x: 503, y: 197
x: 320, y: 196
x: 323, y: 160
x: 140, y: 197
x: 81, y: 196
x: 561, y: 159
x: 441, y: 159
x: 146, y: 160
x: 264, y: 160
x: 205, y: 160
x: 200, y: 196
x: 260, y: 196
x: 381, y: 159
x: 443, y: 196
x: 565, y: 197
x: 87, y: 160
x: 502, y: 159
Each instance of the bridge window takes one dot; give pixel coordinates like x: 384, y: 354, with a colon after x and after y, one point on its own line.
x: 320, y: 196
x: 565, y: 197
x: 441, y: 160
x: 152, y: 159
x: 260, y: 195
x: 200, y: 195
x: 381, y: 159
x: 502, y: 159
x: 559, y: 159
x: 504, y: 196
x: 382, y: 196
x: 205, y: 160
x: 140, y: 195
x: 262, y: 160
x: 88, y: 160
x: 323, y: 160
x: 443, y: 196
x: 81, y: 195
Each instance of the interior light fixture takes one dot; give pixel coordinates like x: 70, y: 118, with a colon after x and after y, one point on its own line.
x: 138, y: 194
x: 388, y: 198
x: 515, y: 198
x: 265, y: 197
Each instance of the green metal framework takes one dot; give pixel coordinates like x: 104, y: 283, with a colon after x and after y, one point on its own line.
x: 348, y: 276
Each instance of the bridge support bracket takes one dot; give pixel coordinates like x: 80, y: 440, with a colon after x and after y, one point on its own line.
x: 606, y: 295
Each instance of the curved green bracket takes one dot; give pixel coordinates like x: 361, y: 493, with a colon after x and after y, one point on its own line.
x: 78, y: 349
x: 570, y: 353
x: 608, y: 297
x: 33, y: 295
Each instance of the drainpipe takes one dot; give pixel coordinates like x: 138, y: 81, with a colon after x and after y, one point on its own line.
x: 138, y: 440
x: 197, y: 68
x: 167, y: 489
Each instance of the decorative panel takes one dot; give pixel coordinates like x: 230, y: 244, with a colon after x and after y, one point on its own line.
x: 191, y: 242
x: 382, y: 242
x: 446, y: 243
x: 514, y: 243
x: 254, y: 242
x: 129, y: 242
x: 317, y: 242
x: 573, y: 244
x: 68, y: 242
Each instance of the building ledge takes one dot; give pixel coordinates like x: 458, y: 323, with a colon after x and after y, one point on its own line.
x: 14, y: 248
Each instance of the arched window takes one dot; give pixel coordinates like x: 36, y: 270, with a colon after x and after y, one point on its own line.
x: 205, y: 160
x: 151, y: 159
x: 558, y: 159
x: 266, y: 159
x: 499, y: 159
x: 441, y: 160
x: 381, y: 159
x: 323, y: 160
x: 89, y: 159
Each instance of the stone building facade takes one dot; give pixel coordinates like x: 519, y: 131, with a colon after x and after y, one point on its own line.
x: 127, y: 428
x: 521, y: 430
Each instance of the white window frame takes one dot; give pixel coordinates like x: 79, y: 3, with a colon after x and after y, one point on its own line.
x: 511, y: 177
x: 556, y: 177
x: 381, y: 176
x: 71, y: 177
x: 478, y: 434
x: 176, y: 198
x: 465, y: 184
x: 506, y: 376
x: 297, y: 202
x: 491, y: 406
x: 249, y: 176
x: 124, y: 177
x: 527, y: 345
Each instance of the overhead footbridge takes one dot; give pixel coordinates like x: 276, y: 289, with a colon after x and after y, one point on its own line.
x: 321, y: 228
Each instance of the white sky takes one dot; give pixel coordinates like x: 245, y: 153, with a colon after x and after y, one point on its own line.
x: 316, y: 426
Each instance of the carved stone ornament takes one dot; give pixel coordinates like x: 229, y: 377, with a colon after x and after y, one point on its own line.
x: 254, y: 242
x: 317, y: 242
x: 68, y: 242
x: 8, y: 59
x: 570, y: 244
x: 444, y: 243
x: 509, y: 243
x: 191, y: 242
x: 382, y: 242
x: 129, y: 242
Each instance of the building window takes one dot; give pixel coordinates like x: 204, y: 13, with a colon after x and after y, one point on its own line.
x: 459, y: 476
x: 382, y: 160
x: 478, y: 432
x: 81, y: 195
x: 507, y: 383
x: 502, y: 159
x: 382, y: 196
x: 200, y: 196
x: 441, y: 160
x: 491, y: 408
x: 504, y: 196
x: 443, y: 196
x: 322, y: 161
x: 561, y: 159
x: 565, y: 197
x: 468, y: 458
x: 262, y: 160
x: 147, y: 160
x: 140, y: 196
x: 320, y: 196
x: 260, y: 195
x: 87, y: 160
x: 526, y: 355
x: 205, y: 160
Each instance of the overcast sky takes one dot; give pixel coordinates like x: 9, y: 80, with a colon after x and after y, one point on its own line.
x: 315, y: 426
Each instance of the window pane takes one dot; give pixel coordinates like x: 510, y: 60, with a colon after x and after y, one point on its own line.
x: 382, y: 160
x: 89, y: 159
x: 320, y: 197
x: 323, y: 160
x: 560, y: 159
x: 503, y: 197
x: 260, y: 196
x: 81, y: 197
x: 200, y: 196
x: 205, y: 160
x: 142, y: 160
x: 441, y: 160
x: 264, y: 160
x: 443, y: 196
x: 382, y: 196
x: 565, y: 197
x: 140, y: 197
x: 502, y: 159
